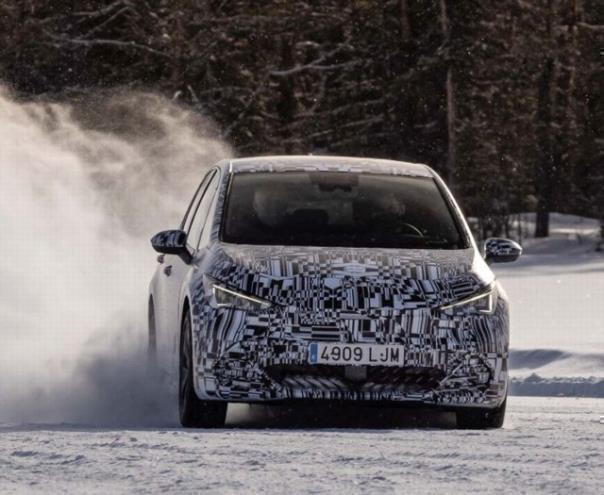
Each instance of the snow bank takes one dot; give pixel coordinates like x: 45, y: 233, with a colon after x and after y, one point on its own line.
x: 551, y: 372
x: 535, y: 385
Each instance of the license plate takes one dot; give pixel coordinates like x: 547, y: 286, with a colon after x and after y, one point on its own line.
x: 360, y: 354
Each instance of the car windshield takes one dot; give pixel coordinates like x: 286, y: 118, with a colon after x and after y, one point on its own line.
x: 339, y: 209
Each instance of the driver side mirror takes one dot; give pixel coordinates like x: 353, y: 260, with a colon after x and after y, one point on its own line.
x: 172, y: 242
x: 498, y: 250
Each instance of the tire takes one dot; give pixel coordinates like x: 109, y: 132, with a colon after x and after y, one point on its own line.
x: 480, y: 419
x: 194, y: 413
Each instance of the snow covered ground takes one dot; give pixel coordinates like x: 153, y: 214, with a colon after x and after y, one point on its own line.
x: 556, y: 291
x: 548, y: 445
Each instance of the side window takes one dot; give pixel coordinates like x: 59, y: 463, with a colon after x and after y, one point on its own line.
x: 188, y: 218
x: 201, y: 214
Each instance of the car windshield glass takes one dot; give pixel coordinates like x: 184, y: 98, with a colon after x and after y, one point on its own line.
x: 338, y: 209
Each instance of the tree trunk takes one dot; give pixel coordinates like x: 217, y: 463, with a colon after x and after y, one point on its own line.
x: 287, y: 104
x: 451, y: 137
x: 543, y: 175
x: 542, y: 223
x: 544, y: 172
x: 404, y: 24
x: 451, y: 107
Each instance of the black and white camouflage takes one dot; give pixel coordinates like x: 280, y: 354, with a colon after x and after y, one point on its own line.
x: 349, y: 295
x: 503, y: 249
x: 169, y: 239
x: 454, y: 355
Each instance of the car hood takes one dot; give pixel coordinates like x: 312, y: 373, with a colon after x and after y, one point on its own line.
x: 350, y: 279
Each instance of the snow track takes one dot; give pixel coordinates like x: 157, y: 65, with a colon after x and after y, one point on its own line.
x: 548, y: 445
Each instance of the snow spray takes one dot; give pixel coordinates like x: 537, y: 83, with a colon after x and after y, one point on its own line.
x: 83, y: 186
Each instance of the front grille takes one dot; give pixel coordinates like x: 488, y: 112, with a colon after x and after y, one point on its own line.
x: 391, y: 376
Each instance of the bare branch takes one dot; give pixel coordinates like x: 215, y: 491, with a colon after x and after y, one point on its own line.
x: 104, y: 11
x: 315, y: 64
x: 107, y: 21
x: 302, y: 68
x: 226, y: 133
x: 105, y: 42
x: 591, y: 27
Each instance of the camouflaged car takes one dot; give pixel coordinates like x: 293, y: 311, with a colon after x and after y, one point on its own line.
x: 329, y: 279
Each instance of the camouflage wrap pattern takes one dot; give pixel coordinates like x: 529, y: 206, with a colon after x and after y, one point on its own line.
x: 503, y: 248
x: 348, y: 296
x: 169, y: 239
x: 453, y: 357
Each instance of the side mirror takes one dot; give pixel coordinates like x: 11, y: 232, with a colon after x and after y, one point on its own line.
x: 172, y: 242
x: 498, y: 250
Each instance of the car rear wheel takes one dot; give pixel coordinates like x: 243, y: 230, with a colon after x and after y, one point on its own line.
x: 194, y: 413
x: 479, y: 419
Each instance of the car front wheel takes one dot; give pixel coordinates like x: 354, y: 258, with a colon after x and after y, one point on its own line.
x: 194, y: 413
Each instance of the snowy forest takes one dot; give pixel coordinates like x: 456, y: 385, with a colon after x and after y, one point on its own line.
x: 503, y: 98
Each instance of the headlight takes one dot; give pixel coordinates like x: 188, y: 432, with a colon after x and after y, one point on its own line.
x: 223, y: 297
x: 484, y: 302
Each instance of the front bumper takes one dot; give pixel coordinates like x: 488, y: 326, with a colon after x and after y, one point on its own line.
x: 451, y: 360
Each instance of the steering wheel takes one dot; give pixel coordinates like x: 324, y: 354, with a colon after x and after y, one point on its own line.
x: 413, y: 228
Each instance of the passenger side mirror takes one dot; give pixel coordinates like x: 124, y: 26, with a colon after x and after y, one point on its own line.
x: 498, y: 250
x: 172, y: 242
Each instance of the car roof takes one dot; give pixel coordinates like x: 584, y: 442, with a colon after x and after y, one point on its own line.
x: 289, y: 163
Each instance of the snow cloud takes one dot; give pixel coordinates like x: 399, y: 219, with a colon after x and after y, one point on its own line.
x: 83, y: 186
